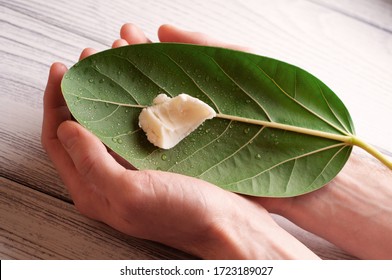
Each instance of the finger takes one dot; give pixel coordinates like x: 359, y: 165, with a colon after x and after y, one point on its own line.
x: 87, y: 52
x: 55, y: 108
x: 133, y: 34
x: 55, y: 113
x: 53, y: 97
x: 89, y: 155
x: 119, y: 43
x: 169, y: 33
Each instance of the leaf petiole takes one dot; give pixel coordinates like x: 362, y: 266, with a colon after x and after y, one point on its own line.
x: 373, y: 151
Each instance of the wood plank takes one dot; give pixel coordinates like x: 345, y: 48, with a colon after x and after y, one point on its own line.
x: 376, y: 13
x: 22, y: 158
x: 36, y: 226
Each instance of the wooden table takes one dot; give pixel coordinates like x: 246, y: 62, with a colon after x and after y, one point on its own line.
x: 347, y: 44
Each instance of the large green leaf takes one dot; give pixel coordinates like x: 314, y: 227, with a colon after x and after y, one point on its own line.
x: 279, y: 130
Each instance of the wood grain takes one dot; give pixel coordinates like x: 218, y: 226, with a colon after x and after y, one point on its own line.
x: 374, y: 13
x: 347, y: 44
x: 37, y: 226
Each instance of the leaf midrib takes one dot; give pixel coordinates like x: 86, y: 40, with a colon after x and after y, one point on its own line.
x: 347, y: 138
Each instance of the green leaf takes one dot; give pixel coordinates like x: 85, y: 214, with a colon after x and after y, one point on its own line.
x: 279, y: 130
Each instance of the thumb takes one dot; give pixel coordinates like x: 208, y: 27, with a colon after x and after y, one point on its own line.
x: 88, y: 154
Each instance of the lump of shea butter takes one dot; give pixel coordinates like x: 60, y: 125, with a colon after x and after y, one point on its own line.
x: 170, y: 120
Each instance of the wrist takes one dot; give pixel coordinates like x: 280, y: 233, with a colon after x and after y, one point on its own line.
x: 250, y: 234
x: 354, y: 209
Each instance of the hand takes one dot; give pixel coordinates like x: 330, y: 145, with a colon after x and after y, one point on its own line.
x: 353, y: 211
x: 182, y: 212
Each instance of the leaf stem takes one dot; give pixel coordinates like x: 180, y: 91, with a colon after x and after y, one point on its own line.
x: 373, y: 151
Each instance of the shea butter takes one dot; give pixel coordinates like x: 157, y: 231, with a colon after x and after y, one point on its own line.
x: 169, y: 120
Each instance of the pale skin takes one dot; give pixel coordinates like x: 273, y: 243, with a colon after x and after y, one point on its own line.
x: 354, y: 211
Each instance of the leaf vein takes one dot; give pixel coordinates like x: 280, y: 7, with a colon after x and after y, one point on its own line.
x: 117, y: 83
x: 124, y: 134
x: 106, y: 117
x: 331, y: 109
x: 194, y: 81
x: 144, y: 74
x: 202, y: 148
x: 234, y: 153
x: 300, y: 104
x: 285, y: 161
x: 242, y: 89
x: 291, y: 174
x: 325, y: 167
x: 108, y: 102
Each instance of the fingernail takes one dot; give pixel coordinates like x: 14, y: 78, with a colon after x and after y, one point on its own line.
x: 67, y: 134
